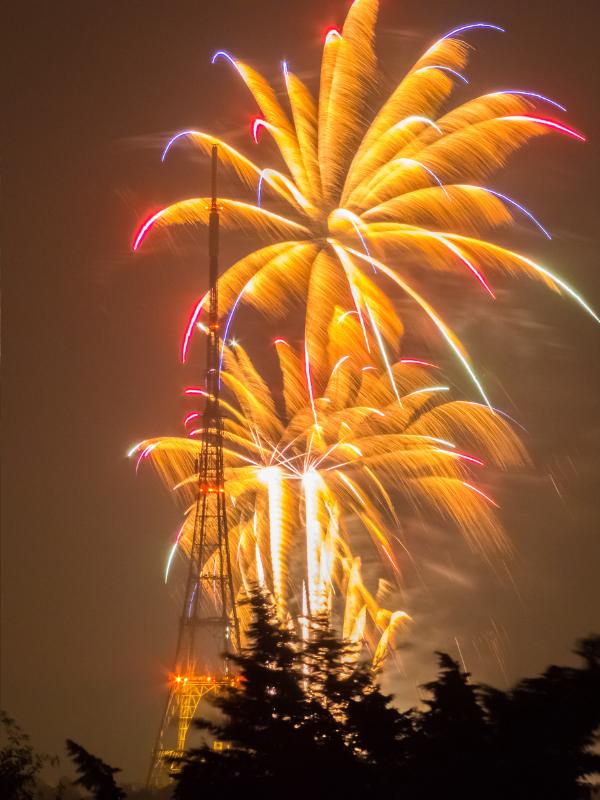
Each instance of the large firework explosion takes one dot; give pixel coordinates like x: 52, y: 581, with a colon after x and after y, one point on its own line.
x: 366, y: 195
x: 308, y: 476
x: 365, y: 191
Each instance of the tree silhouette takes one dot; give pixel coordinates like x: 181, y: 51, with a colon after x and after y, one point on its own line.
x: 544, y: 728
x: 308, y: 720
x: 94, y: 775
x: 19, y: 763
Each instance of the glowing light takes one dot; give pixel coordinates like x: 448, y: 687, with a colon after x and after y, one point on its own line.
x: 428, y: 389
x: 462, y: 457
x: 514, y: 203
x: 418, y: 362
x: 413, y: 163
x: 172, y: 552
x: 141, y: 234
x: 318, y: 456
x: 256, y: 126
x: 549, y: 123
x: 449, y: 70
x: 224, y: 54
x: 172, y: 141
x: 383, y: 353
x: 417, y: 118
x: 331, y: 34
x: 195, y: 390
x: 535, y: 95
x: 309, y: 383
x: 279, y: 341
x: 482, y: 494
x: 471, y: 26
x: 192, y: 415
x: 338, y: 364
x: 190, y: 328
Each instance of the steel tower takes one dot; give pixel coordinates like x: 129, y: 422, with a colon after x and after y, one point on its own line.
x: 209, y: 618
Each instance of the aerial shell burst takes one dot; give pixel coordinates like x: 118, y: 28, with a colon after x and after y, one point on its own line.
x: 313, y: 475
x: 365, y: 191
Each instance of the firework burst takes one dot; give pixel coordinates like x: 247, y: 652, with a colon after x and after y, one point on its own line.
x: 367, y: 193
x: 313, y: 477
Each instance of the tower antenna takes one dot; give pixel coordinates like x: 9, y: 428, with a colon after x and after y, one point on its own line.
x: 209, y: 619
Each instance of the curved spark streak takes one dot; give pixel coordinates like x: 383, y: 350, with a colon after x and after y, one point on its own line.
x: 459, y: 254
x: 444, y: 69
x: 471, y: 26
x: 386, y: 360
x: 256, y: 126
x: 145, y: 227
x: 190, y: 328
x: 331, y: 34
x: 224, y: 54
x: 543, y: 271
x: 417, y: 118
x: 355, y: 222
x: 192, y: 415
x: 338, y: 364
x: 172, y: 553
x: 514, y: 203
x: 228, y: 324
x: 418, y: 362
x: 428, y: 389
x: 440, y: 325
x: 462, y: 456
x: 479, y: 492
x: 309, y: 383
x: 413, y: 162
x: 550, y: 123
x: 535, y: 95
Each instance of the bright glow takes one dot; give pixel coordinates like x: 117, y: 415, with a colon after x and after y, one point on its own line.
x: 471, y: 26
x: 428, y: 389
x: 514, y: 203
x: 449, y: 70
x: 338, y: 364
x: 174, y: 139
x: 413, y: 163
x: 185, y: 344
x: 482, y: 494
x: 534, y: 95
x: 418, y: 362
x: 416, y: 118
x: 141, y: 234
x: 386, y: 361
x: 309, y: 385
x: 331, y: 34
x: 549, y: 123
x: 256, y: 126
x: 224, y: 54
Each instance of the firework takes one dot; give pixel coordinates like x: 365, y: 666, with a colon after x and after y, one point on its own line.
x: 368, y: 193
x: 315, y: 478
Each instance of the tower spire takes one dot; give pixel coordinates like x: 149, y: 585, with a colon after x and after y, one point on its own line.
x: 208, y: 626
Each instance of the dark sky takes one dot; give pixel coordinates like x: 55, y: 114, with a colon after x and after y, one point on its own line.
x: 92, y: 333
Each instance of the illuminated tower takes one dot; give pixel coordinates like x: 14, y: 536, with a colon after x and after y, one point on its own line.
x: 209, y: 625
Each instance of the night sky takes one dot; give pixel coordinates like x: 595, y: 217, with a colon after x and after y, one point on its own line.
x: 92, y: 332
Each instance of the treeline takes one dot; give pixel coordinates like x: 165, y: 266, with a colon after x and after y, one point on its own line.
x: 308, y: 721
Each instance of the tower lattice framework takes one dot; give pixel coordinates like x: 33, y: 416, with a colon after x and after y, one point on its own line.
x: 209, y: 617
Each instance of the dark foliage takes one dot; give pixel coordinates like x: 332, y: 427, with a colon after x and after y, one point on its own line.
x: 308, y: 721
x: 20, y: 765
x: 94, y: 775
